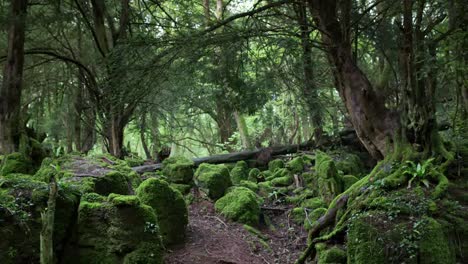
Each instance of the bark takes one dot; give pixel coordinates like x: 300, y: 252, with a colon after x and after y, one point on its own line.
x: 243, y: 130
x: 235, y: 156
x: 114, y: 132
x: 10, y: 91
x: 373, y: 122
x: 143, y: 137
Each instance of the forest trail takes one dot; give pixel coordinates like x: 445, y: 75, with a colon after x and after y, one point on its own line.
x: 212, y: 239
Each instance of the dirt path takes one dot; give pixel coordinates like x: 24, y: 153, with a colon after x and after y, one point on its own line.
x: 211, y: 239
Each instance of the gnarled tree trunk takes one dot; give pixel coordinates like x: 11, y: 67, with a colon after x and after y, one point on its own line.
x: 10, y: 91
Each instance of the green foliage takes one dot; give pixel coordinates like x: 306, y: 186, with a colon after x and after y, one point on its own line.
x: 296, y: 165
x: 16, y: 163
x: 276, y: 164
x: 418, y: 171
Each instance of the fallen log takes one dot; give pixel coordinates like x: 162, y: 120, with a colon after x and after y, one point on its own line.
x: 235, y: 156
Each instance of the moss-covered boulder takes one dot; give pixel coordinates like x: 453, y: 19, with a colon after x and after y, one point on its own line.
x: 182, y: 188
x: 240, y: 172
x: 250, y: 185
x: 134, y: 160
x: 329, y: 183
x: 349, y: 180
x: 296, y: 165
x: 275, y: 165
x: 213, y: 179
x: 117, y: 229
x: 265, y: 188
x: 313, y: 203
x: 254, y: 175
x: 22, y: 199
x: 282, y: 181
x: 376, y: 237
x: 298, y: 215
x: 169, y: 206
x: 349, y: 163
x: 178, y: 169
x: 16, y: 163
x: 330, y: 255
x: 241, y: 205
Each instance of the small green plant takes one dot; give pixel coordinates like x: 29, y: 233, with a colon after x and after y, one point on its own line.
x: 418, y: 171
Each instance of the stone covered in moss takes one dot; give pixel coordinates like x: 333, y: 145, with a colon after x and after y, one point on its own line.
x: 265, y: 188
x: 254, y: 175
x: 16, y: 163
x: 329, y: 183
x: 348, y: 180
x: 22, y: 199
x: 313, y: 203
x: 298, y: 215
x: 213, y: 179
x: 434, y: 245
x: 282, y: 181
x: 275, y: 165
x: 240, y: 204
x: 240, y: 172
x: 349, y: 163
x: 112, y: 182
x: 250, y: 185
x: 178, y: 169
x: 296, y: 165
x: 332, y: 255
x: 182, y: 188
x: 134, y: 160
x: 169, y: 206
x: 120, y: 230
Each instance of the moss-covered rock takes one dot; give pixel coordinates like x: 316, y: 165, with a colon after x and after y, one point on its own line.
x: 112, y: 182
x: 16, y: 163
x: 240, y: 204
x: 313, y: 203
x: 434, y: 245
x: 282, y: 181
x: 134, y: 160
x: 178, y: 169
x: 254, y: 175
x: 279, y: 173
x: 329, y: 183
x: 22, y: 199
x: 296, y: 165
x: 169, y: 206
x: 349, y: 163
x: 250, y: 185
x: 275, y: 165
x: 213, y: 179
x: 332, y: 255
x: 119, y: 230
x: 182, y: 188
x: 298, y: 215
x: 349, y: 180
x: 265, y: 188
x: 240, y: 172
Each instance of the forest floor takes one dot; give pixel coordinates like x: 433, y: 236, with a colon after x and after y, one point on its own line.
x: 212, y: 239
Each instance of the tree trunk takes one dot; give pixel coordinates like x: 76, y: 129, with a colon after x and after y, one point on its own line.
x: 243, y: 130
x: 10, y: 91
x: 115, y: 134
x: 309, y: 89
x: 143, y: 137
x: 373, y: 122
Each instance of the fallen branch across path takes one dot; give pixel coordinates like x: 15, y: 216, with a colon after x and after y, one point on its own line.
x: 235, y: 156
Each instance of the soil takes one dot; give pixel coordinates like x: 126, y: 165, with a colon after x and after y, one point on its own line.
x: 212, y: 239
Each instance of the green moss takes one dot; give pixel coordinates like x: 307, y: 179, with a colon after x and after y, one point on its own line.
x: 112, y: 182
x: 182, y: 188
x: 118, y: 230
x: 333, y: 255
x: 213, y: 179
x: 169, y: 206
x: 240, y: 204
x: 92, y: 198
x: 329, y: 183
x: 240, y: 172
x: 434, y: 246
x: 313, y: 216
x: 300, y: 197
x: 178, y: 169
x: 349, y: 180
x: 250, y: 185
x: 313, y: 203
x: 282, y: 181
x: 275, y: 165
x: 265, y: 188
x: 349, y: 163
x: 134, y: 160
x: 16, y: 163
x: 254, y: 175
x: 296, y: 165
x: 298, y: 215
x: 279, y: 173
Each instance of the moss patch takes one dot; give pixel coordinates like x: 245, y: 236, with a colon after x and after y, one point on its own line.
x: 296, y: 165
x: 16, y: 163
x: 169, y: 206
x: 240, y: 172
x: 240, y: 204
x: 275, y: 165
x: 178, y: 169
x: 213, y: 179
